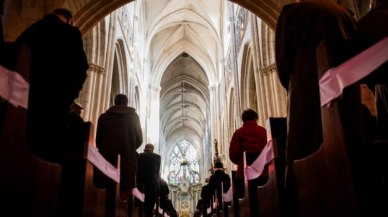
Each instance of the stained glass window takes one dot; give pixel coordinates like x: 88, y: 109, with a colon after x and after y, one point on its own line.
x: 184, y: 153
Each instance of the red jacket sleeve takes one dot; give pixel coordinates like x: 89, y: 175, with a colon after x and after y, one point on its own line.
x: 235, y: 149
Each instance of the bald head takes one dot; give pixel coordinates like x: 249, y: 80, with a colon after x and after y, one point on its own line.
x: 149, y: 147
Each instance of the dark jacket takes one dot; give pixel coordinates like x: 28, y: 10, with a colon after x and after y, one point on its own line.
x: 58, y: 71
x: 148, y: 170
x: 58, y: 64
x: 216, y: 179
x: 164, y: 191
x: 248, y: 137
x: 119, y: 132
x: 300, y: 29
x: 205, y: 194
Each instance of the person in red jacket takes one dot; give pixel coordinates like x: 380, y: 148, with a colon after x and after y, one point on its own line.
x: 248, y: 137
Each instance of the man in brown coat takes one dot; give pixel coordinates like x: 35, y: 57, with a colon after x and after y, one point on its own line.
x: 119, y: 132
x: 372, y: 28
x: 300, y: 29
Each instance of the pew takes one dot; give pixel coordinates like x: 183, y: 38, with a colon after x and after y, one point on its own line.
x: 115, y: 207
x: 272, y: 202
x: 78, y: 195
x: 29, y: 186
x: 223, y: 209
x: 345, y: 177
x: 138, y: 210
x: 238, y: 192
x: 250, y: 203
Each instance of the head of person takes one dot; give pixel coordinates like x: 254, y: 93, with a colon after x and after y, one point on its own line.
x: 249, y: 115
x: 76, y: 108
x: 149, y: 148
x: 64, y: 15
x: 121, y: 99
x: 208, y: 178
x: 218, y: 166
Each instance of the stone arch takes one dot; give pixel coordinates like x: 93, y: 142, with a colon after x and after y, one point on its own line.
x: 248, y: 81
x: 92, y: 12
x: 183, y: 46
x: 119, y: 72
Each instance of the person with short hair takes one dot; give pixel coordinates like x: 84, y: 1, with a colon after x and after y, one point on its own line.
x: 249, y: 137
x: 217, y: 177
x: 216, y: 180
x: 58, y: 72
x: 119, y: 132
x: 148, y: 174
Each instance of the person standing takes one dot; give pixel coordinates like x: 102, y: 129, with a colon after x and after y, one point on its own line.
x: 371, y: 29
x: 249, y: 137
x: 58, y: 71
x: 148, y: 174
x: 119, y: 132
x: 300, y: 29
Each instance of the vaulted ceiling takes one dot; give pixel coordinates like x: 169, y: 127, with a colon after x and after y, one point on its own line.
x: 184, y: 45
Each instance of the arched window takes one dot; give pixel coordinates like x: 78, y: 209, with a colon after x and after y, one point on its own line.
x: 184, y: 163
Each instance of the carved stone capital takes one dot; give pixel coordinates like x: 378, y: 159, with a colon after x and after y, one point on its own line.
x: 268, y: 69
x: 155, y: 87
x: 96, y: 68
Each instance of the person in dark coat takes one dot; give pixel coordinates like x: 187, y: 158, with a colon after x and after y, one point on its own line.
x: 205, y: 194
x: 58, y: 71
x: 119, y: 132
x: 300, y: 29
x: 164, y: 191
x: 218, y: 177
x: 148, y: 174
x: 372, y: 28
x: 248, y: 137
x: 216, y: 180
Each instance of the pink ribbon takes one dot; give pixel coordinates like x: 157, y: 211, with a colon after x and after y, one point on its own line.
x: 336, y: 79
x: 138, y: 194
x: 108, y: 169
x: 103, y: 165
x: 227, y: 197
x: 209, y: 210
x: 160, y: 211
x: 257, y: 167
x: 13, y: 88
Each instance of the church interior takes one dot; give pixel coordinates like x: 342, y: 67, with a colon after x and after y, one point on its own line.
x: 189, y: 69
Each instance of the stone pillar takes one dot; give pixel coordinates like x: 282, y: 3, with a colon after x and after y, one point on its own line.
x: 91, y: 90
x: 153, y: 116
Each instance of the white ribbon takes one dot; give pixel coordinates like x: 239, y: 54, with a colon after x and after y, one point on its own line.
x: 257, y: 167
x: 227, y: 197
x: 13, y: 88
x: 209, y: 210
x: 336, y: 79
x: 138, y: 194
x: 103, y: 165
x: 160, y: 211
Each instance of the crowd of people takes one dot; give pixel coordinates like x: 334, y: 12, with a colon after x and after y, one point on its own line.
x: 300, y: 29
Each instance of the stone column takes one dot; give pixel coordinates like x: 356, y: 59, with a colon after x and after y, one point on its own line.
x: 91, y: 91
x: 153, y: 116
